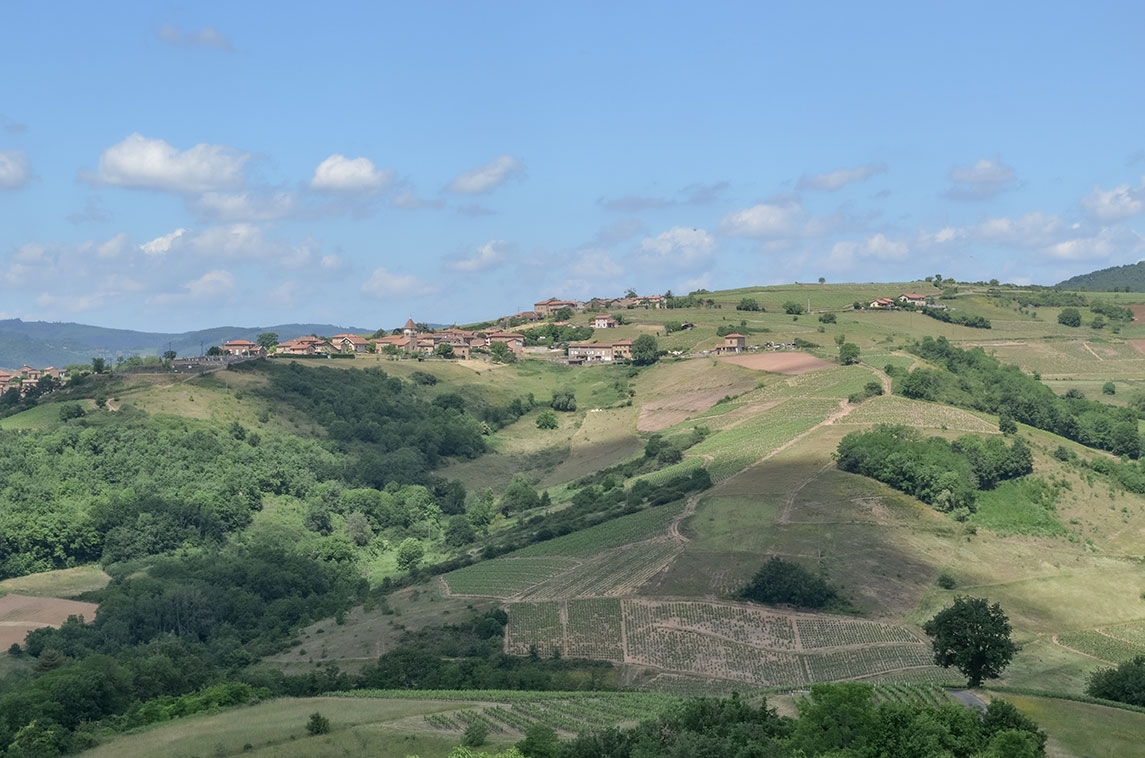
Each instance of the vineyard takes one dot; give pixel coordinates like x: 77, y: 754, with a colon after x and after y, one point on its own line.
x: 615, y: 533
x: 893, y: 409
x: 721, y: 641
x: 1101, y: 644
x: 506, y: 577
x: 617, y: 572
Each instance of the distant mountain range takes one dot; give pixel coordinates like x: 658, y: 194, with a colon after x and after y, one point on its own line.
x: 43, y: 343
x: 1116, y: 278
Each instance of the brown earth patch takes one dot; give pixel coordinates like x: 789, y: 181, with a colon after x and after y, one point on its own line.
x: 1138, y: 312
x: 661, y: 414
x: 778, y: 363
x: 1139, y: 344
x: 20, y: 614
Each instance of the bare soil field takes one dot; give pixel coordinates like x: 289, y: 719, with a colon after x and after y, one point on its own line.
x: 1138, y: 313
x: 20, y: 614
x: 661, y: 414
x: 1139, y: 344
x: 778, y: 363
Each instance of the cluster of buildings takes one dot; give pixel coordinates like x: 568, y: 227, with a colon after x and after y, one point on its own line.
x: 910, y: 298
x: 26, y: 377
x: 545, y: 308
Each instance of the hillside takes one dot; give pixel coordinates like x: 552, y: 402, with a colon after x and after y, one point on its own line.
x: 1127, y: 278
x: 51, y: 343
x: 615, y: 543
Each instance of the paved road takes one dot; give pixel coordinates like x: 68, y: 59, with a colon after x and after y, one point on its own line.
x: 968, y: 699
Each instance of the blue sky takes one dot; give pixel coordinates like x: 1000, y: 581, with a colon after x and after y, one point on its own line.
x: 179, y: 166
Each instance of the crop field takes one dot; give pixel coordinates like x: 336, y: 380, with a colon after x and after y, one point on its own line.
x: 634, y: 527
x: 737, y: 448
x: 831, y: 631
x: 1103, y: 646
x: 1074, y: 358
x: 721, y: 641
x: 505, y: 577
x: 895, y: 409
x: 20, y: 614
x: 1133, y: 632
x: 618, y: 572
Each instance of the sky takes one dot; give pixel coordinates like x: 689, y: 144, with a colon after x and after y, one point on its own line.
x: 168, y: 167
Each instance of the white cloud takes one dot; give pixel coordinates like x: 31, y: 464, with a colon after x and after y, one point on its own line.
x: 595, y: 265
x: 678, y: 247
x: 245, y: 206
x: 1117, y: 204
x: 407, y: 199
x: 488, y: 177
x: 331, y: 262
x: 878, y: 247
x: 383, y: 283
x: 840, y: 178
x: 15, y: 171
x: 982, y: 181
x: 1034, y: 229
x: 341, y: 174
x: 208, y: 36
x: 153, y: 164
x: 210, y: 286
x: 162, y: 245
x: 763, y: 220
x: 114, y: 247
x: 1106, y: 242
x: 489, y: 255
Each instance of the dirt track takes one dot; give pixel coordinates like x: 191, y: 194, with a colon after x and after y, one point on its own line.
x: 20, y: 614
x: 778, y: 363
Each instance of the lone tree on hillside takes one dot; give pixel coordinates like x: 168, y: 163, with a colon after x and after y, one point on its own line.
x: 645, y: 351
x: 972, y: 636
x: 848, y: 353
x: 268, y: 340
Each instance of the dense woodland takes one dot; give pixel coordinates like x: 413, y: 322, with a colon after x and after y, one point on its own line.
x: 973, y: 379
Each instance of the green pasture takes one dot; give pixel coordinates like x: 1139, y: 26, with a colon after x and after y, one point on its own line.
x: 1083, y: 728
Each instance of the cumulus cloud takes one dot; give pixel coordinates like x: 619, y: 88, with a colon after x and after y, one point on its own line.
x: 488, y: 177
x: 763, y: 220
x: 595, y: 265
x: 114, y: 247
x: 839, y: 178
x: 1117, y: 204
x: 489, y: 255
x: 1102, y: 244
x: 244, y: 206
x: 679, y: 247
x: 341, y: 174
x: 331, y: 262
x: 383, y: 284
x: 982, y: 181
x: 145, y: 163
x: 1034, y: 229
x: 208, y: 36
x: 15, y: 171
x: 212, y: 285
x: 876, y: 247
x: 162, y: 245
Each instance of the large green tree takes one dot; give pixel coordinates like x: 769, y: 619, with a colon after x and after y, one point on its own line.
x: 645, y: 351
x: 268, y: 340
x: 974, y: 637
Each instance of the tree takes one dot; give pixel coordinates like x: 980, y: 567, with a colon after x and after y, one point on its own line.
x: 318, y: 724
x: 214, y: 350
x: 501, y: 353
x: 98, y: 365
x: 748, y: 304
x: 444, y: 350
x: 1109, y: 388
x: 827, y: 318
x: 563, y: 400
x: 563, y: 314
x: 547, y: 420
x: 645, y: 351
x: 1069, y: 317
x: 848, y: 353
x: 1125, y: 683
x: 169, y: 355
x: 475, y: 734
x: 972, y: 636
x: 792, y: 308
x: 541, y: 741
x: 268, y: 340
x: 410, y: 553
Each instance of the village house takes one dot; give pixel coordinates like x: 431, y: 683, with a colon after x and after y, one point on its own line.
x: 242, y: 347
x: 913, y: 298
x: 350, y: 343
x: 552, y: 305
x: 590, y: 352
x: 604, y: 322
x: 734, y: 343
x: 516, y: 342
x: 882, y: 303
x: 305, y: 346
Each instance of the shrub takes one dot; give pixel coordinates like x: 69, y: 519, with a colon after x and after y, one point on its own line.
x: 784, y: 582
x: 424, y: 378
x: 563, y: 400
x: 946, y: 581
x: 1069, y: 317
x: 827, y: 318
x: 792, y: 308
x: 475, y: 734
x: 1124, y: 683
x: 1109, y: 388
x: 318, y: 724
x: 547, y: 420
